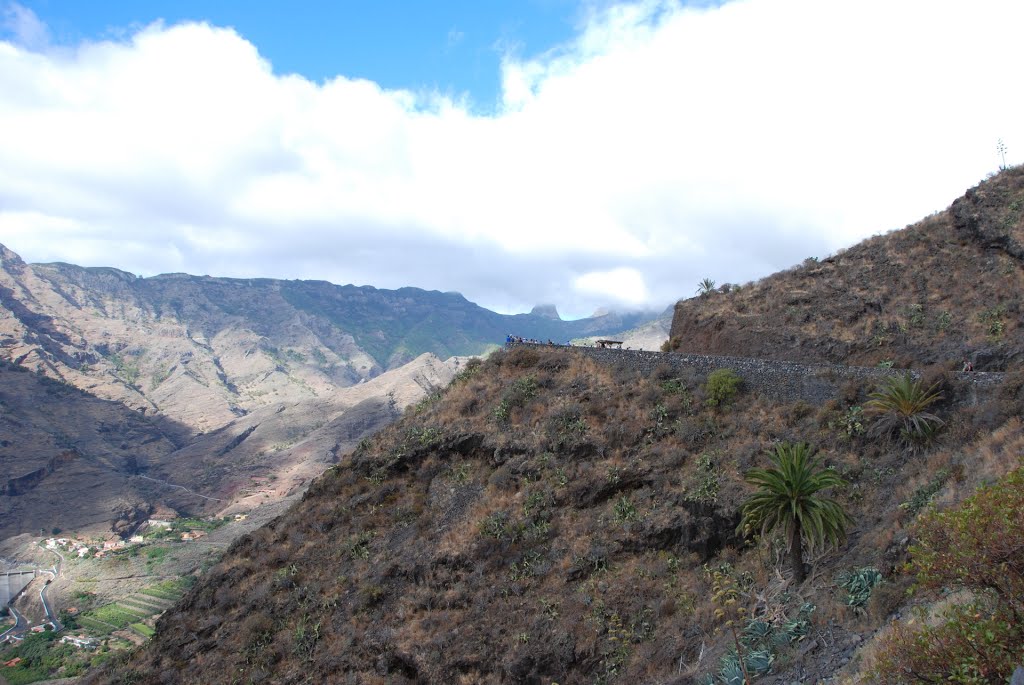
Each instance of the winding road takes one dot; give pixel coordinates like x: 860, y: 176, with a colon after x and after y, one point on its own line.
x: 182, y: 487
x: 54, y: 572
x: 20, y: 624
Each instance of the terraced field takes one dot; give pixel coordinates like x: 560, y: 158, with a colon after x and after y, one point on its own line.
x: 135, y: 611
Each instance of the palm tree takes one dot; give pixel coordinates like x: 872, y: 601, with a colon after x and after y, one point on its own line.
x: 787, y: 498
x: 705, y: 287
x: 900, y: 406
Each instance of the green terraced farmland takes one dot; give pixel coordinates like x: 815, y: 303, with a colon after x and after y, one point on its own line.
x: 143, y: 629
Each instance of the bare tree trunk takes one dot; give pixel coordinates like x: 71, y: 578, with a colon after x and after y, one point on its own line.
x: 796, y: 553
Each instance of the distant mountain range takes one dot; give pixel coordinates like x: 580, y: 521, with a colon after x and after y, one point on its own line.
x: 204, y: 350
x: 238, y: 390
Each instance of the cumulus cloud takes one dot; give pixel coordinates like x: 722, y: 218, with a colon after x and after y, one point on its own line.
x: 664, y: 144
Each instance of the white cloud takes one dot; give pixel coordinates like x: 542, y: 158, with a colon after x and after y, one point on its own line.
x: 622, y: 286
x: 664, y: 145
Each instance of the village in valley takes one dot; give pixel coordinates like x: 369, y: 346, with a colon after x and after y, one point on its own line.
x: 110, y: 590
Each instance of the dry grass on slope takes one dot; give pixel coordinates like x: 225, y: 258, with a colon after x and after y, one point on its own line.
x: 548, y: 519
x: 933, y: 293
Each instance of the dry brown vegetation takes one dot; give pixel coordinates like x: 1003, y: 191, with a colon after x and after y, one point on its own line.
x: 547, y: 519
x: 946, y: 288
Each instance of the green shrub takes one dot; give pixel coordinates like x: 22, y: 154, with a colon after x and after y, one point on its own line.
x: 915, y: 315
x: 625, y: 510
x: 721, y: 387
x: 471, y: 369
x: 992, y: 319
x: 358, y: 546
x: 566, y: 427
x: 924, y: 494
x: 521, y: 391
x: 977, y: 547
x: 899, y: 407
x: 974, y: 643
x: 705, y: 489
x: 850, y: 423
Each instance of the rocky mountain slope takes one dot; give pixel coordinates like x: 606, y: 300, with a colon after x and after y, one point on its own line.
x: 551, y: 519
x: 258, y: 385
x: 205, y: 350
x: 76, y: 462
x: 67, y: 455
x: 932, y: 293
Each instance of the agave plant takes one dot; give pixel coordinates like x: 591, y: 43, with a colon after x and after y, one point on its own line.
x: 899, y: 407
x: 787, y: 498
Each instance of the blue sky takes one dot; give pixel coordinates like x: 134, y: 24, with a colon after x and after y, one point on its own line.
x: 452, y: 47
x: 609, y: 153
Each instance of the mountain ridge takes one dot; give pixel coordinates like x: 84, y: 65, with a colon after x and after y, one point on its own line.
x: 934, y: 293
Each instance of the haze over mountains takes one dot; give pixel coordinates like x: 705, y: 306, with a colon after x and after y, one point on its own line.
x: 212, y: 384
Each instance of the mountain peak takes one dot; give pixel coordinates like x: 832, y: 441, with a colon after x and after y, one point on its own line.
x: 9, y: 257
x: 548, y: 311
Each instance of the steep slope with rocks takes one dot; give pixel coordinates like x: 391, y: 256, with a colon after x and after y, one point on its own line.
x: 79, y: 463
x: 67, y: 456
x: 551, y: 519
x: 938, y: 291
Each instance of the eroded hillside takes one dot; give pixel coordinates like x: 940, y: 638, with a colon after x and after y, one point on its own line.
x: 79, y: 463
x: 263, y: 383
x: 204, y: 350
x: 935, y: 293
x: 549, y: 519
x: 68, y: 457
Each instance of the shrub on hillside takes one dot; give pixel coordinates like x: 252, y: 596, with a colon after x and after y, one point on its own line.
x: 721, y: 387
x: 976, y: 547
x: 900, y: 408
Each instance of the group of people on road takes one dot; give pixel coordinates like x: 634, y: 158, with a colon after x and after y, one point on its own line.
x: 532, y: 341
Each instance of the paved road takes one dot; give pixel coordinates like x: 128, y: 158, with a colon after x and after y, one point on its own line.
x: 20, y: 624
x: 54, y: 572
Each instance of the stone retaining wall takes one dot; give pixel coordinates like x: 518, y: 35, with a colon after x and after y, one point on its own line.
x: 786, y: 381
